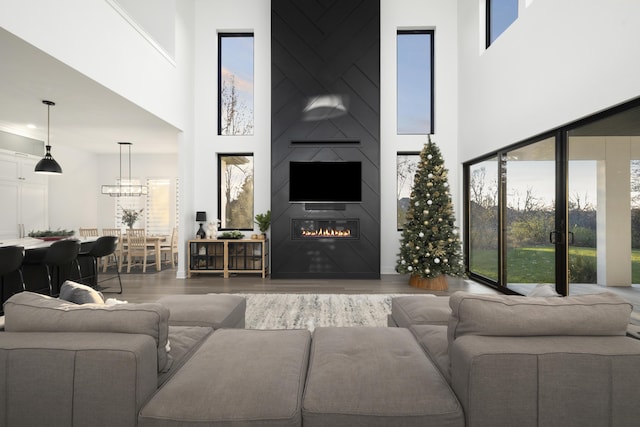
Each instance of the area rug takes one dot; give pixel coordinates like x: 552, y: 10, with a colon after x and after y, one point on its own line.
x: 309, y: 311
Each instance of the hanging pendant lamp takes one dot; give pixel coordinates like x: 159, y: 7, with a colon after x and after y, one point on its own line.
x: 128, y: 189
x: 48, y: 165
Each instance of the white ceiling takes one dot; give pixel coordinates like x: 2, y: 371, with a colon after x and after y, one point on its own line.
x: 87, y: 116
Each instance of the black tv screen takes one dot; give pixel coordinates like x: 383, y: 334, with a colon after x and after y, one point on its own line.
x: 325, y: 182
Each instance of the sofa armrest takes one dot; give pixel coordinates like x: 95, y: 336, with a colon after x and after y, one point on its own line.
x: 75, y: 378
x: 547, y: 381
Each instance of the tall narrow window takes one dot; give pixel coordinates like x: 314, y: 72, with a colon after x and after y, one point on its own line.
x: 500, y: 14
x: 158, y: 216
x: 235, y: 198
x: 235, y: 83
x: 415, y: 82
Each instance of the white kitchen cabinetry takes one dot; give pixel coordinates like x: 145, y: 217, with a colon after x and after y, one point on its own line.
x: 24, y: 195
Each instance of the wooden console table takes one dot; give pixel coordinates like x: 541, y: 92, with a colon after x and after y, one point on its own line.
x: 228, y: 256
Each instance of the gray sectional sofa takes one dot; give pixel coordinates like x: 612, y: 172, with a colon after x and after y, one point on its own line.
x: 188, y: 361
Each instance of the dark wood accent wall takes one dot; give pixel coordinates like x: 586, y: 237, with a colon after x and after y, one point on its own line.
x: 325, y: 47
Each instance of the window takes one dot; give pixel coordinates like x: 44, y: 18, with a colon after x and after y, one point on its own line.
x: 235, y: 197
x: 415, y: 82
x: 235, y: 83
x: 157, y: 213
x: 158, y: 219
x: 406, y: 166
x: 500, y: 14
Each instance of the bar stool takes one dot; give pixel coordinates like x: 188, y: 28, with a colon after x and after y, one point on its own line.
x: 59, y: 254
x: 102, y: 247
x: 10, y: 262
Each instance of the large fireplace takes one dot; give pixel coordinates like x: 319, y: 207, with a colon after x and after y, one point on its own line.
x: 303, y: 229
x: 325, y: 140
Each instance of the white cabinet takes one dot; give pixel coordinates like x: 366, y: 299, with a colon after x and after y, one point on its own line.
x: 24, y: 195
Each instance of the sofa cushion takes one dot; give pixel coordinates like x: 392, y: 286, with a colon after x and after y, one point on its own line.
x: 508, y: 315
x: 213, y: 310
x: 80, y: 294
x: 433, y: 340
x: 366, y: 376
x: 420, y: 310
x: 185, y: 340
x: 31, y: 312
x: 238, y: 377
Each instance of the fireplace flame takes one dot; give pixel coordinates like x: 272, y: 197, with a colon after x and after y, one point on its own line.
x: 326, y: 232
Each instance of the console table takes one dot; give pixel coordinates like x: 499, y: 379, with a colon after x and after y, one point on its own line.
x: 227, y: 256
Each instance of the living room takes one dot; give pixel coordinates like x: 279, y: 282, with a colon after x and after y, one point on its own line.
x: 151, y: 78
x: 468, y: 76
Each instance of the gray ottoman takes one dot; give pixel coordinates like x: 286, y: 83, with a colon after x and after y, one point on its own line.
x: 363, y: 376
x: 215, y: 311
x: 239, y: 377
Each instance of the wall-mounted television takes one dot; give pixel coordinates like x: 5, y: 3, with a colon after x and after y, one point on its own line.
x: 325, y: 182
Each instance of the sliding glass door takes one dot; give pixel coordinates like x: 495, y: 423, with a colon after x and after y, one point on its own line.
x: 561, y: 209
x: 531, y: 235
x: 604, y: 203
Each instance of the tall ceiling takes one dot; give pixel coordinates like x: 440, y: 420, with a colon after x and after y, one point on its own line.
x: 87, y: 115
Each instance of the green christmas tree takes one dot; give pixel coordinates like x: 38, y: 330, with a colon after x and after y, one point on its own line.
x: 430, y: 245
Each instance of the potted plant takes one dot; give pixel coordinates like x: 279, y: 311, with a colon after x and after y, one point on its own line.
x: 264, y: 221
x: 130, y: 216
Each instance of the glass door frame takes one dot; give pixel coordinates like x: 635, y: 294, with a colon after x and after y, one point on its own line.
x: 559, y: 234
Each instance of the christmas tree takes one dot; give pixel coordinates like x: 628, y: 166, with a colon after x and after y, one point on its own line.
x: 430, y: 245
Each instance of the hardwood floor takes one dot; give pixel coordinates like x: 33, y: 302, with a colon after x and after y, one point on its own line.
x: 149, y: 287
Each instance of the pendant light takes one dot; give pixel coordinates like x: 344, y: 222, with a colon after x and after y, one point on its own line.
x: 48, y: 165
x: 128, y: 190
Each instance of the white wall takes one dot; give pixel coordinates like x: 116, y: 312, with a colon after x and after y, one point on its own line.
x: 212, y: 18
x: 558, y: 62
x: 441, y: 16
x: 92, y: 37
x: 73, y: 195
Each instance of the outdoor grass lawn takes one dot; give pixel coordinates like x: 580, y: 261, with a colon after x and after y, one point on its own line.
x: 535, y: 264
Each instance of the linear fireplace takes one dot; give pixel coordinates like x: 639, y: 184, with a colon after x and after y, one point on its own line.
x: 325, y: 229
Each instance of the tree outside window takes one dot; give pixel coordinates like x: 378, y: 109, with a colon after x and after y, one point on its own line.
x: 235, y: 80
x: 235, y: 198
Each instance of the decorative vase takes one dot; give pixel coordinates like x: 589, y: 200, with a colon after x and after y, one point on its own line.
x: 436, y: 284
x: 201, y: 233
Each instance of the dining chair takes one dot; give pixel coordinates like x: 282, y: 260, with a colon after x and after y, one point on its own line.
x: 60, y: 254
x: 103, y: 247
x: 10, y: 263
x: 88, y: 232
x: 119, y: 256
x: 137, y: 248
x: 171, y: 249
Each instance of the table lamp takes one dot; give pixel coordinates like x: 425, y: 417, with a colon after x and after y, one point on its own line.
x: 201, y: 217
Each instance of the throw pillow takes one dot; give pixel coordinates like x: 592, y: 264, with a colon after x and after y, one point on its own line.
x: 80, y: 294
x: 543, y: 290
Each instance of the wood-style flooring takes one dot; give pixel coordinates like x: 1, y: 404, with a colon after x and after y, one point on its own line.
x: 148, y: 287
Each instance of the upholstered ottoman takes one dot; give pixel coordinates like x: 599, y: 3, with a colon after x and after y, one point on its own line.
x: 364, y: 376
x: 238, y: 377
x: 215, y: 311
x: 419, y: 310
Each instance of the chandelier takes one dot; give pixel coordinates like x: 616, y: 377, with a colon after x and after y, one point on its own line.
x: 128, y: 189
